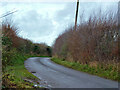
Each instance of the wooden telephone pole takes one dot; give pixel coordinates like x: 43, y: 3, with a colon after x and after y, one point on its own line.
x: 76, y: 14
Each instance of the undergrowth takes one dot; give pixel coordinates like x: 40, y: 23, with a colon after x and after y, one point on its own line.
x: 14, y: 75
x: 107, y: 72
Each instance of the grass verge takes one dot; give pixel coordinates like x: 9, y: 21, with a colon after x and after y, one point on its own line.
x: 14, y: 75
x: 108, y: 73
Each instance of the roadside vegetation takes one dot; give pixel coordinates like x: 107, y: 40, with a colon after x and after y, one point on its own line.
x: 15, y: 50
x: 14, y: 76
x: 108, y: 72
x: 92, y: 47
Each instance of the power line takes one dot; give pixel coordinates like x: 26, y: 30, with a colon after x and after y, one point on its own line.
x: 8, y: 14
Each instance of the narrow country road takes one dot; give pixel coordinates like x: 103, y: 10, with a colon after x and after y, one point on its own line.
x: 57, y: 76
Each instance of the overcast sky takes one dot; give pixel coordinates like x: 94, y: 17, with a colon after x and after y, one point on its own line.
x: 43, y: 22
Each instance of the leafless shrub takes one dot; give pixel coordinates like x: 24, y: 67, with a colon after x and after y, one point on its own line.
x: 94, y: 40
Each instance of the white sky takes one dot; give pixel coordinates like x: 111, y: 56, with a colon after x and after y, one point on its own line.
x: 42, y: 22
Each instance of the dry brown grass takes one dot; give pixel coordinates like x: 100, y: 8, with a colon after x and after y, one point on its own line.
x: 93, y: 64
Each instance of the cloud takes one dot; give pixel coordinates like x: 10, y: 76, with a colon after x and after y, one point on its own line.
x: 35, y: 23
x: 43, y: 22
x: 67, y: 12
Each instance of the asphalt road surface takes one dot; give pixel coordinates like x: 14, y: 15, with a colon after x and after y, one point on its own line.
x: 58, y: 76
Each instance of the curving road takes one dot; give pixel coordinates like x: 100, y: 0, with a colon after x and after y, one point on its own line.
x: 57, y: 76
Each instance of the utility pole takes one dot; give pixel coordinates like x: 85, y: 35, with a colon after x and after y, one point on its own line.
x: 76, y: 14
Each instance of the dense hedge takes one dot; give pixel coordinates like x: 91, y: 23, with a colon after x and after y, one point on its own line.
x: 14, y: 51
x: 12, y: 45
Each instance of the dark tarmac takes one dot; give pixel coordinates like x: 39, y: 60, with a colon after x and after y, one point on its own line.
x: 58, y: 76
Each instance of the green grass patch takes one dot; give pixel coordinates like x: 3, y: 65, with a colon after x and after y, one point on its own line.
x: 108, y: 73
x: 14, y: 74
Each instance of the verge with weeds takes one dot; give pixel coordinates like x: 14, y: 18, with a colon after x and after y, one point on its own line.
x: 13, y: 76
x: 108, y: 72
